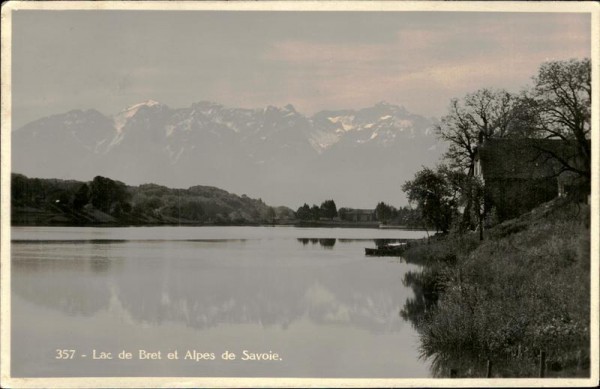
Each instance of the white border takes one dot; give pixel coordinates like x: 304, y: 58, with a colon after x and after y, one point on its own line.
x: 184, y: 382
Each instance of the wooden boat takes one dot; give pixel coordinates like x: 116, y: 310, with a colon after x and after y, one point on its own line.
x: 390, y: 249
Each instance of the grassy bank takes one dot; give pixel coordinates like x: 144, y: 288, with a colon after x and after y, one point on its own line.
x: 524, y: 289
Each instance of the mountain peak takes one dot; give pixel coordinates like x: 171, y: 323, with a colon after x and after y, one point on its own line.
x: 397, y: 109
x: 385, y: 104
x: 122, y: 117
x: 206, y: 104
x: 241, y: 149
x: 147, y: 103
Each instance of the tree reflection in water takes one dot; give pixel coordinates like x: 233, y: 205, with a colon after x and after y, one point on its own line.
x: 467, y: 357
x: 323, y: 242
x: 204, y: 284
x: 418, y: 310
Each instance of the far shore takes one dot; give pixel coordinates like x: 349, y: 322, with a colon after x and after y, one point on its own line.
x: 186, y: 223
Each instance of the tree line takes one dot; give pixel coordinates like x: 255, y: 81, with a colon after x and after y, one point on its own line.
x: 327, y: 210
x: 106, y: 195
x: 556, y: 106
x: 384, y: 213
x: 148, y: 203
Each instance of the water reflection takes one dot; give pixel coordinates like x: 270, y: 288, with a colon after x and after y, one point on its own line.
x: 68, y: 283
x: 464, y: 360
x: 326, y: 242
x: 113, y: 241
x: 199, y: 286
x: 320, y: 302
x: 424, y: 299
x: 323, y: 242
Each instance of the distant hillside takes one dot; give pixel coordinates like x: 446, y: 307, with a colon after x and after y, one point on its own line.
x: 103, y: 201
x: 275, y: 153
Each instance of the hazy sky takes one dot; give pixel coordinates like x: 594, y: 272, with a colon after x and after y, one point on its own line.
x: 107, y: 60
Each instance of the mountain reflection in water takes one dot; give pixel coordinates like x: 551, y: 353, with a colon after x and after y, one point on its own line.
x: 198, y: 291
x: 223, y: 287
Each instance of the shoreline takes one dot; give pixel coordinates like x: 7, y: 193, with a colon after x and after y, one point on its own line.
x: 488, y: 298
x: 193, y: 224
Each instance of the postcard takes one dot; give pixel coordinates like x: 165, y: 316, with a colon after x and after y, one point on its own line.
x: 299, y: 194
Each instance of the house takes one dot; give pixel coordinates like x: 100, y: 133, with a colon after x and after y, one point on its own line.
x: 520, y: 174
x: 359, y: 215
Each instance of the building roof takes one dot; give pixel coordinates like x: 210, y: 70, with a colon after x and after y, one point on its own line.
x: 524, y: 158
x: 362, y: 211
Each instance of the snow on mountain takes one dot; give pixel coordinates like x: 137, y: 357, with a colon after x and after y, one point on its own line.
x: 382, y: 121
x: 122, y: 117
x: 275, y: 153
x: 322, y: 140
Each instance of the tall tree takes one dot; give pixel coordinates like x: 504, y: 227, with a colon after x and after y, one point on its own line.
x: 562, y: 93
x: 303, y: 212
x: 315, y: 212
x: 271, y: 215
x: 108, y: 195
x: 480, y: 115
x: 328, y: 209
x: 434, y: 197
x: 82, y: 197
x: 384, y: 212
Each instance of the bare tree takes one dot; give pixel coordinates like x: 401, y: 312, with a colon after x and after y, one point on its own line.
x: 491, y: 111
x: 481, y: 115
x: 562, y: 93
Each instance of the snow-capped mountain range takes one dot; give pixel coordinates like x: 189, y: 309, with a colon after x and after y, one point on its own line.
x: 356, y: 157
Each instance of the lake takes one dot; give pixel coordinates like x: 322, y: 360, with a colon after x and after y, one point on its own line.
x: 306, y: 301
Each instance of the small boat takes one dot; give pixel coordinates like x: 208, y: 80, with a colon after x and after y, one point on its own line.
x: 390, y: 249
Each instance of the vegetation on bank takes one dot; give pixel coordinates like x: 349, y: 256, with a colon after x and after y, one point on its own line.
x: 328, y: 215
x: 403, y: 216
x: 524, y: 289
x: 103, y: 201
x: 549, y: 122
x: 327, y: 210
x: 495, y: 288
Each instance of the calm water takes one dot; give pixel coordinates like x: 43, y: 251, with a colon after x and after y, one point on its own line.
x: 309, y: 295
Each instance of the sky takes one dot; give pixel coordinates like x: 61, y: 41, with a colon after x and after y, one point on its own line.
x: 108, y: 60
